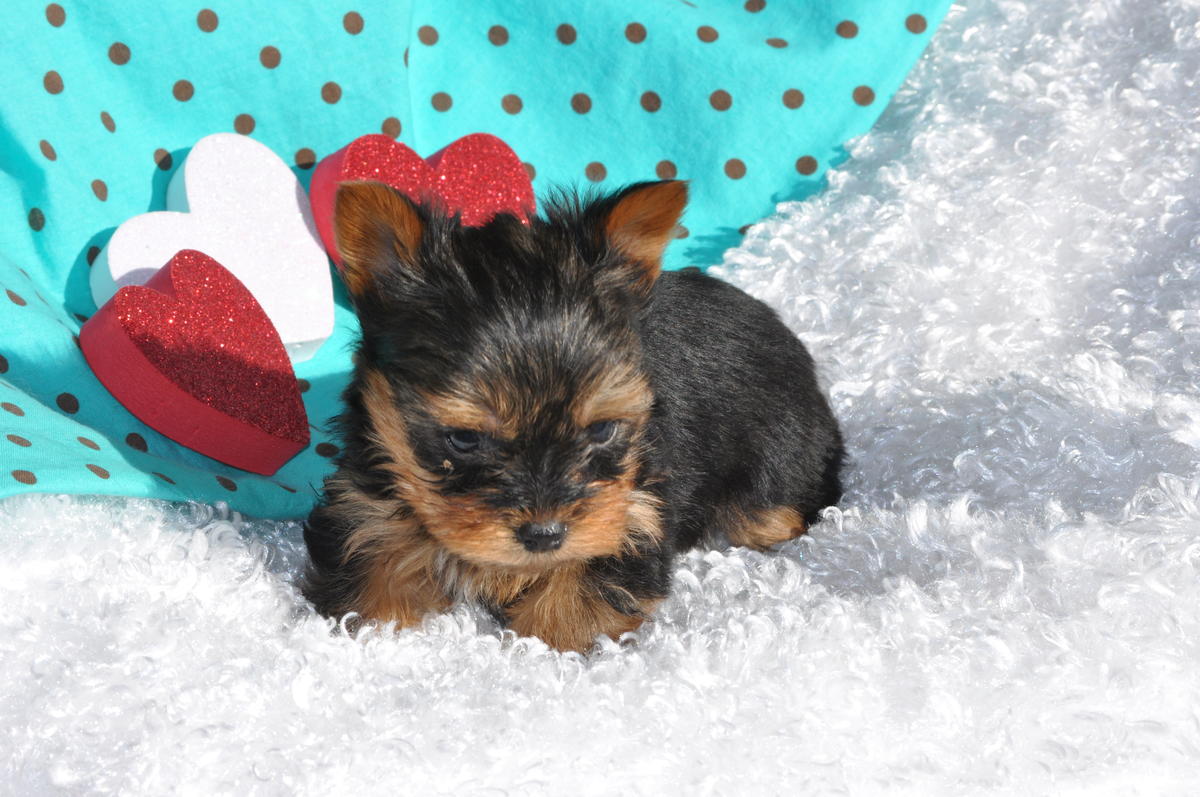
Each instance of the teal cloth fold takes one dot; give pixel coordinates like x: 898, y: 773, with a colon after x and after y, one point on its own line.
x: 752, y: 102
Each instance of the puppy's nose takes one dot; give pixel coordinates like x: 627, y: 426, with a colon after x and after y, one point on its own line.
x: 542, y: 536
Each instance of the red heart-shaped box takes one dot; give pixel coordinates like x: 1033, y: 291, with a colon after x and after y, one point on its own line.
x: 192, y: 354
x: 476, y: 176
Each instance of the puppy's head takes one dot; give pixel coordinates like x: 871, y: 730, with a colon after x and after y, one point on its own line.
x: 500, y: 371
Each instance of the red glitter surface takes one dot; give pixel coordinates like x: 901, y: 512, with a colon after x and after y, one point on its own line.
x: 204, y: 331
x: 476, y: 176
x: 480, y: 176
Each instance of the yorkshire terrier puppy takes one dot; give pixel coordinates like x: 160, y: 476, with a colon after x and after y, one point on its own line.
x: 539, y: 420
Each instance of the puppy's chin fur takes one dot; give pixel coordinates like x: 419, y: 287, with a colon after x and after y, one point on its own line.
x: 536, y: 374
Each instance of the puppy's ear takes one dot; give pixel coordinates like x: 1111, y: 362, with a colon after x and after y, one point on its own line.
x: 640, y: 222
x: 378, y: 230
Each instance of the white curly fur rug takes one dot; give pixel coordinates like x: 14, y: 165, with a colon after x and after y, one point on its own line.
x: 1003, y: 290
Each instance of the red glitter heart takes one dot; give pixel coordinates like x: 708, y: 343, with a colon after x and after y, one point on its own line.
x: 477, y: 176
x: 192, y: 354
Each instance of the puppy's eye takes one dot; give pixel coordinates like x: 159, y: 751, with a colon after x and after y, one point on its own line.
x: 464, y: 440
x: 601, y: 432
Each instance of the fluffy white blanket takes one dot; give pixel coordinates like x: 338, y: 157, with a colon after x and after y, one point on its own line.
x: 1001, y: 288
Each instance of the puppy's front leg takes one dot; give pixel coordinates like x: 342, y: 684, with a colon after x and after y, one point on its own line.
x: 570, y: 606
x: 370, y: 557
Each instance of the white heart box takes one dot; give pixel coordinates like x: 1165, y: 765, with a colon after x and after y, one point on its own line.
x: 237, y: 202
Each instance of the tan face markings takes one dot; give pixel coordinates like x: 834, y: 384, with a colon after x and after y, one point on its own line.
x: 503, y: 410
x: 621, y: 395
x: 597, y: 526
x: 609, y: 523
x: 459, y: 410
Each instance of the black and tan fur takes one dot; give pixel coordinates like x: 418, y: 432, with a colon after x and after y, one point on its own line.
x: 539, y: 420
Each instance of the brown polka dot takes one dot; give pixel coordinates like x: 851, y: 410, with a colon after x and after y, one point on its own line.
x: 100, y: 190
x: 228, y: 484
x: 92, y: 444
x: 15, y: 298
x: 720, y: 100
x: 735, y: 169
x: 183, y: 90
x: 511, y: 103
x: 80, y: 317
x: 680, y: 231
x: 806, y: 165
x: 3, y: 364
x: 665, y: 170
x: 305, y: 158
x: 864, y: 95
x: 427, y: 34
x: 53, y: 82
x: 595, y: 171
x: 331, y: 92
x: 847, y: 29
x: 99, y: 471
x: 167, y: 479
x: 18, y: 440
x: 754, y: 6
x: 635, y: 32
x: 269, y: 57
x: 13, y: 408
x: 406, y: 57
x: 136, y: 442
x: 24, y: 477
x: 498, y: 35
x: 745, y: 228
x: 118, y: 53
x: 566, y: 33
x: 916, y: 23
x: 206, y: 20
x: 651, y: 101
x: 107, y: 120
x: 303, y: 385
x: 777, y: 43
x: 326, y: 449
x: 93, y: 252
x: 581, y: 103
x: 529, y: 170
x: 47, y: 150
x: 707, y: 33
x: 55, y: 15
x: 244, y: 124
x: 441, y: 101
x: 67, y: 403
x: 390, y: 127
x: 353, y: 23
x: 162, y: 159
x: 37, y: 219
x: 793, y: 98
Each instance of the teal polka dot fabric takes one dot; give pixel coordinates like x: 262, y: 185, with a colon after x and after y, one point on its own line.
x: 751, y: 101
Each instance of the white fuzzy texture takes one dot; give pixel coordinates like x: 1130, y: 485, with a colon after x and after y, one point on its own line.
x: 1002, y: 288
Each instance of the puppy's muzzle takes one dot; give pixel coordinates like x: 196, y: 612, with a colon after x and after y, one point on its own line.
x: 539, y: 537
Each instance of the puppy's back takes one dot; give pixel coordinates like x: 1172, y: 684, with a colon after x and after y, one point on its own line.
x: 740, y: 424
